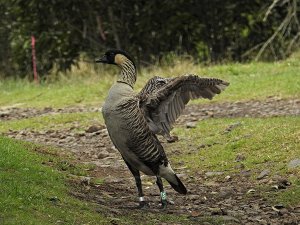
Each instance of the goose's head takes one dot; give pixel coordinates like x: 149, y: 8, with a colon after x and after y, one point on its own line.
x: 115, y: 57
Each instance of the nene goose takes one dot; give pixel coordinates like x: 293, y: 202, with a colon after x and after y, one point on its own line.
x: 133, y: 120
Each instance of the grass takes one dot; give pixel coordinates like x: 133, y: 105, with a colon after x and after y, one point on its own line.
x: 56, y: 121
x: 32, y: 193
x: 264, y: 142
x: 87, y: 86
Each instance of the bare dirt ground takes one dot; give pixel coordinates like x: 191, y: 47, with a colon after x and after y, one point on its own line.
x: 234, y: 198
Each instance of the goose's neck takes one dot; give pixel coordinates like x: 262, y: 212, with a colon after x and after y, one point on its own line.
x: 128, y: 73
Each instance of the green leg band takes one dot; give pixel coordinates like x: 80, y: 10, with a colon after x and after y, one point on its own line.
x: 163, y: 195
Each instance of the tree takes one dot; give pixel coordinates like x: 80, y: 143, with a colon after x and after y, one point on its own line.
x: 209, y: 30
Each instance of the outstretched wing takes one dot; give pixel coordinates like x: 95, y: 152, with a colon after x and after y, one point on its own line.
x: 163, y: 99
x: 154, y: 84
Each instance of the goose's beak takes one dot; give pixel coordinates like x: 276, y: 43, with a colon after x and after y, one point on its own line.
x: 102, y: 60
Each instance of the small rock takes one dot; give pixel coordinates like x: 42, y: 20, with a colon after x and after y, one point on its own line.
x: 226, y: 192
x: 209, y: 113
x: 172, y: 139
x: 230, y: 218
x: 190, y: 125
x: 93, y: 129
x: 227, y: 178
x: 280, y: 183
x: 283, y: 211
x: 22, y: 132
x: 115, y: 221
x: 232, y: 126
x: 202, y: 146
x: 48, y: 109
x: 4, y: 113
x: 195, y: 213
x: 193, y: 197
x: 85, y: 180
x: 283, y: 183
x: 210, y: 174
x: 279, y: 206
x: 239, y: 166
x: 217, y: 211
x: 294, y: 163
x: 170, y: 201
x: 246, y: 173
x: 100, y: 144
x: 263, y: 174
x: 103, y: 154
x: 54, y: 199
x: 240, y: 157
x: 69, y: 139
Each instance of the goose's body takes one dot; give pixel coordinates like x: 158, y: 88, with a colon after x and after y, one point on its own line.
x: 133, y: 120
x: 121, y: 114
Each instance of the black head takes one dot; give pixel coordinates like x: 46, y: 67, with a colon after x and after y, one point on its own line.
x: 110, y: 57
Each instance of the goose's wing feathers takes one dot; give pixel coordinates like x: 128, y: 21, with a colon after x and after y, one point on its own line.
x: 163, y: 100
x: 154, y: 84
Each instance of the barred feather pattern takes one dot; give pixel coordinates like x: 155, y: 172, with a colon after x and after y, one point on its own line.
x: 154, y: 84
x: 141, y: 140
x: 163, y: 100
x: 128, y: 73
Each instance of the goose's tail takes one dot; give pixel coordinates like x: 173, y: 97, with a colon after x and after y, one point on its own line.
x: 167, y: 173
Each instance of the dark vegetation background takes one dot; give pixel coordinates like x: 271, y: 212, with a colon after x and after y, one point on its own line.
x: 210, y: 31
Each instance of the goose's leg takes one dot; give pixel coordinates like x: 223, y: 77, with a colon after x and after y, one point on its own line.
x: 163, y: 195
x: 137, y: 177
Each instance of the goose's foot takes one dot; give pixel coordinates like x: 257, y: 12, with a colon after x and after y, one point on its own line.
x: 143, y: 205
x: 164, y: 204
x: 163, y: 199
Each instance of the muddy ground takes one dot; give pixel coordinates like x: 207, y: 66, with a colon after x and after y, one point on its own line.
x: 234, y: 198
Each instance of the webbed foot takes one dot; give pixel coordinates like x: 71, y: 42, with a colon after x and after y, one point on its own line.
x: 143, y: 205
x: 164, y: 204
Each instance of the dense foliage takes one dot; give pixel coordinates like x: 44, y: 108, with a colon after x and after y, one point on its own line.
x: 209, y: 30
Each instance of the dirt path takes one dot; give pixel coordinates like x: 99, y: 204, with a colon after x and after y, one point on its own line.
x: 233, y: 199
x: 254, y: 108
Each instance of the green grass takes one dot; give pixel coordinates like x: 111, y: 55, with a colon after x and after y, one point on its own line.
x: 76, y: 91
x: 56, y: 121
x: 265, y: 143
x: 32, y: 193
x: 87, y: 86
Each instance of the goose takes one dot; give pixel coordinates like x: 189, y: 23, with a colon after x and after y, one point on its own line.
x: 134, y: 120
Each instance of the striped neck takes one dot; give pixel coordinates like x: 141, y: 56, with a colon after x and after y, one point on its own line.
x: 128, y: 72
